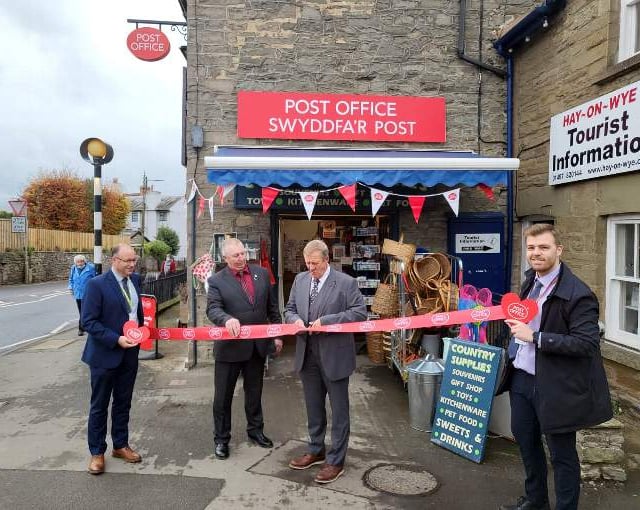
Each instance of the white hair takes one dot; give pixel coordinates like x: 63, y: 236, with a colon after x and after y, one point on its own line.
x: 229, y: 241
x: 78, y: 258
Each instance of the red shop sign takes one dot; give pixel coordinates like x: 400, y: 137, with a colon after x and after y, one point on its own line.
x: 302, y: 116
x: 148, y: 44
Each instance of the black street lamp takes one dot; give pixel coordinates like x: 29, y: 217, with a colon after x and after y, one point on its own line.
x: 97, y: 153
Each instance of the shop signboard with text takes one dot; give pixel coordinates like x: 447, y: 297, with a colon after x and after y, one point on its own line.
x: 596, y: 139
x: 463, y: 410
x: 251, y: 198
x: 310, y: 116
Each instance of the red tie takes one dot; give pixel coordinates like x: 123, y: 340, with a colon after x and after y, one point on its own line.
x: 245, y: 280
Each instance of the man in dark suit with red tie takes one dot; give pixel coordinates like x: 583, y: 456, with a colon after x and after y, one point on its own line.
x: 111, y: 299
x: 240, y: 295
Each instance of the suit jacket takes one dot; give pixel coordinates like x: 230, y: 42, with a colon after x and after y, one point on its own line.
x: 339, y: 301
x: 227, y: 300
x: 104, y: 312
x: 572, y: 392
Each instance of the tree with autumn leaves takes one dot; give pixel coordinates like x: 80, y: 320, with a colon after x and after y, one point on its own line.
x: 61, y: 200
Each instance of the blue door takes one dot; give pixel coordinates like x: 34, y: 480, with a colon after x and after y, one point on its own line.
x: 478, y: 239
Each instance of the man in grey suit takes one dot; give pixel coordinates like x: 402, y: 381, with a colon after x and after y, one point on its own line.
x: 319, y: 297
x: 238, y: 295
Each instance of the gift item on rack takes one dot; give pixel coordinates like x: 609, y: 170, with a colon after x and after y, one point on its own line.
x: 398, y: 249
x: 470, y: 299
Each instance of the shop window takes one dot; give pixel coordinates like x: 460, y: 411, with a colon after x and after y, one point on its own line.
x: 623, y: 280
x: 135, y: 217
x: 629, y: 38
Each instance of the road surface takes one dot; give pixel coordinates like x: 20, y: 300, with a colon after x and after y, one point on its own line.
x: 30, y: 312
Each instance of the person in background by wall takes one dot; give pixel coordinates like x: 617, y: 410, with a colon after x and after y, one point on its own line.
x: 555, y: 375
x: 80, y: 273
x: 169, y: 265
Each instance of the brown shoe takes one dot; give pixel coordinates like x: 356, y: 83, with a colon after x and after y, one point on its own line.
x: 306, y: 461
x: 96, y: 465
x: 328, y: 473
x: 126, y: 454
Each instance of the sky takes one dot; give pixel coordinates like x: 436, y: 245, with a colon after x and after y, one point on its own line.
x: 66, y: 74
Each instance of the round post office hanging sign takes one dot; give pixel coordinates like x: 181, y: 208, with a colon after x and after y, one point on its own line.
x: 148, y: 44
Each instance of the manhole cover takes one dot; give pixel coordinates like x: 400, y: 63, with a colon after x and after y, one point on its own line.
x: 400, y: 480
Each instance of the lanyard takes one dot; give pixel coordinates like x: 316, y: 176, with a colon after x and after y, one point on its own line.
x: 127, y: 298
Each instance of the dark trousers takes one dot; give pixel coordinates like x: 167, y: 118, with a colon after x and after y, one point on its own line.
x: 107, y: 383
x: 79, y: 305
x: 564, y: 457
x: 225, y: 378
x: 316, y: 386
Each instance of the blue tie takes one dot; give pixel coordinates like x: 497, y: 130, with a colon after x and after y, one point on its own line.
x: 535, y: 293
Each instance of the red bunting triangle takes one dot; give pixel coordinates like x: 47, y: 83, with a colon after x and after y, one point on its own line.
x: 268, y: 196
x: 348, y: 192
x: 200, y: 207
x: 487, y: 190
x: 416, y: 204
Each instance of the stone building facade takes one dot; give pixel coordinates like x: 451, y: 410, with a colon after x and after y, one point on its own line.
x: 373, y: 47
x: 568, y: 63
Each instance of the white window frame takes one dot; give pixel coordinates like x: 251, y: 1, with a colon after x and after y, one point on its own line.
x: 613, y: 331
x: 163, y: 217
x: 135, y: 216
x: 629, y: 14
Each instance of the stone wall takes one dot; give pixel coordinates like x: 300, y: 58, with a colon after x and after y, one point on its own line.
x: 601, y: 454
x: 564, y: 66
x: 44, y: 266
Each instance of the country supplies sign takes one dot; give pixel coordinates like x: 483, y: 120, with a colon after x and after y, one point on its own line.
x: 310, y: 116
x: 596, y: 139
x: 463, y: 410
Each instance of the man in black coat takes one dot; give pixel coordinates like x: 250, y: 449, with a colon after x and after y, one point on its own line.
x: 239, y: 295
x: 555, y: 373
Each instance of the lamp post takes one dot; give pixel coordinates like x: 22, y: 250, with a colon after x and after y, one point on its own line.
x: 97, y: 153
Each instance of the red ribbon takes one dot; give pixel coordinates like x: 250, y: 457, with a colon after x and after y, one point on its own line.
x: 510, y: 308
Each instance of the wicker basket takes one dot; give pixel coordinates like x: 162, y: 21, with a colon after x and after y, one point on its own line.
x: 374, y: 347
x: 385, y: 300
x: 445, y: 265
x: 424, y: 270
x: 449, y: 295
x: 398, y: 249
x: 429, y: 304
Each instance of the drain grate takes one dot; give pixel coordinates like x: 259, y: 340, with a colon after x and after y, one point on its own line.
x: 400, y: 480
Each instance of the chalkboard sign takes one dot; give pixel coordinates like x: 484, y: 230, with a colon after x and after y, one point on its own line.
x: 464, y: 408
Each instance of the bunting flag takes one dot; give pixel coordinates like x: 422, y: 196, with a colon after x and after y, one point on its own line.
x: 210, y: 200
x: 378, y: 197
x: 264, y: 261
x: 309, y: 201
x: 268, y: 196
x: 349, y: 194
x: 226, y: 189
x: 453, y: 197
x: 487, y: 190
x: 416, y: 203
x: 200, y: 207
x: 192, y: 193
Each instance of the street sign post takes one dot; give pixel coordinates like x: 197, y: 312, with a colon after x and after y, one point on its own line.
x: 18, y: 206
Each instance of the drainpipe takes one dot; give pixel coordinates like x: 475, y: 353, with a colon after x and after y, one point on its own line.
x: 461, y: 36
x: 510, y: 183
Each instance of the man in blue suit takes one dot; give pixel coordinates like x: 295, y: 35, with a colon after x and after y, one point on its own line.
x: 111, y: 300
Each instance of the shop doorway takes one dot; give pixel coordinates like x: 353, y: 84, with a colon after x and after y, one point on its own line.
x: 354, y: 243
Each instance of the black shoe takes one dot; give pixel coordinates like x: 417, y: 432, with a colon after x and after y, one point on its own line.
x: 80, y: 332
x: 524, y: 504
x: 260, y: 439
x: 221, y: 451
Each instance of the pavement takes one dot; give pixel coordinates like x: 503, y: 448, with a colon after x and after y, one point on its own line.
x: 44, y: 399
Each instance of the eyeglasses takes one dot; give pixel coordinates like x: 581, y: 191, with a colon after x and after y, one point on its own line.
x: 127, y: 261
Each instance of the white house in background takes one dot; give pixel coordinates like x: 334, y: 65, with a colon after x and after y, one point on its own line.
x: 159, y: 211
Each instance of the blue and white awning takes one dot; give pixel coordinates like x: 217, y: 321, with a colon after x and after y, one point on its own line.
x: 304, y: 167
